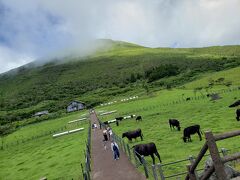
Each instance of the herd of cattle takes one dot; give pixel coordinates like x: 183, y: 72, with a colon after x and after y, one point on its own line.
x: 150, y: 148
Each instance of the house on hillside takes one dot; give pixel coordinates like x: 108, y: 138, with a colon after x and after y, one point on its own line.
x: 75, y: 106
x: 41, y: 113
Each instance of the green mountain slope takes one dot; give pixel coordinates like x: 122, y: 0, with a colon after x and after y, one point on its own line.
x: 119, y: 68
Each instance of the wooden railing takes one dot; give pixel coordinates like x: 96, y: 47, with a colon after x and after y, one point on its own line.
x: 218, y: 162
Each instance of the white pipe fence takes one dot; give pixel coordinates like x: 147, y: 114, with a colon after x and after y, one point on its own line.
x: 77, y: 120
x: 68, y: 132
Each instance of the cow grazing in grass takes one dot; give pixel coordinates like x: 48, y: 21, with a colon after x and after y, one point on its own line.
x: 188, y: 99
x: 235, y: 104
x: 174, y: 122
x: 191, y: 130
x: 139, y: 118
x: 119, y: 118
x: 238, y: 114
x: 133, y: 134
x: 105, y: 122
x: 146, y: 150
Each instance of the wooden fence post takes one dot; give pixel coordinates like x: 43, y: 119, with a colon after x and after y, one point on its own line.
x: 145, y: 166
x: 160, y: 171
x: 217, y: 162
x: 191, y: 159
x: 192, y: 176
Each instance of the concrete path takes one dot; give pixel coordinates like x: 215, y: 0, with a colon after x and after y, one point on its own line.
x: 104, y: 167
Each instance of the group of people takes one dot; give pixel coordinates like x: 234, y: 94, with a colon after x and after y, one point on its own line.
x: 108, y: 136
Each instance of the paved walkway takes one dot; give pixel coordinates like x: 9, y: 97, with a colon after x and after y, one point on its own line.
x: 104, y: 167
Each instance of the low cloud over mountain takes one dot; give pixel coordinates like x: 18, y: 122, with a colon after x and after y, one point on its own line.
x: 31, y: 30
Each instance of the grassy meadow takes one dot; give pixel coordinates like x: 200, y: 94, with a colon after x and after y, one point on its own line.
x: 157, y: 109
x: 117, y: 70
x: 162, y: 78
x: 231, y: 75
x: 45, y: 156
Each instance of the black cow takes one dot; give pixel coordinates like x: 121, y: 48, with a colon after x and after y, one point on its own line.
x: 238, y: 114
x: 188, y: 99
x: 191, y: 130
x: 133, y: 134
x: 174, y: 122
x: 139, y: 118
x: 105, y: 122
x: 235, y: 104
x: 146, y: 150
x: 119, y: 118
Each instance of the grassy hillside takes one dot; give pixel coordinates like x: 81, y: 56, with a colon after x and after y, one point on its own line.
x: 119, y: 69
x: 32, y: 152
x: 155, y: 111
x: 229, y: 76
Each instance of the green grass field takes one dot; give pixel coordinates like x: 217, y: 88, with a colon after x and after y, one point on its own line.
x: 60, y: 158
x: 54, y: 158
x: 156, y: 110
x: 122, y: 71
x: 231, y: 75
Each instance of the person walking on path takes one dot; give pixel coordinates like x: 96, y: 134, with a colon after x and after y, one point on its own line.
x: 115, y: 150
x: 110, y: 133
x: 94, y: 126
x: 105, y: 136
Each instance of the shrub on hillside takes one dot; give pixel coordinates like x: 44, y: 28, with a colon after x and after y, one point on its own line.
x: 162, y: 71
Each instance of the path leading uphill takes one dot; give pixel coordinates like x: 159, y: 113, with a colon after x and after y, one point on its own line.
x: 104, y: 167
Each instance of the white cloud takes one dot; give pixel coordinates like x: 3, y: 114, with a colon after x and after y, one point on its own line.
x: 10, y: 59
x: 41, y: 28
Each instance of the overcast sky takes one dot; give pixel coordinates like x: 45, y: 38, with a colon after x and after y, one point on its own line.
x: 35, y: 29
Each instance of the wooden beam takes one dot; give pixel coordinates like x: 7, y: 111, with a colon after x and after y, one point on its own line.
x: 199, y: 157
x: 227, y: 135
x: 217, y: 162
x: 231, y: 157
x: 208, y: 173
